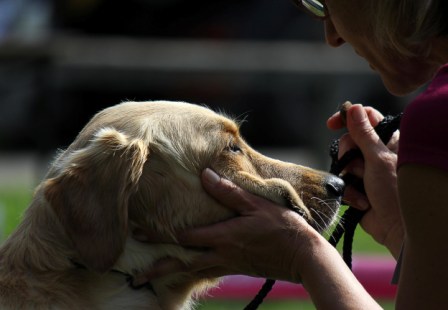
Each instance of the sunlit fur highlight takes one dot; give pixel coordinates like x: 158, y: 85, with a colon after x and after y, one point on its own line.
x: 137, y: 166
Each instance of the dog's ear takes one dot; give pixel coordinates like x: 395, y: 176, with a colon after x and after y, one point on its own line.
x: 91, y: 193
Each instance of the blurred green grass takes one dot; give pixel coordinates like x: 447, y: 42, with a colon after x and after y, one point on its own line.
x: 13, y: 202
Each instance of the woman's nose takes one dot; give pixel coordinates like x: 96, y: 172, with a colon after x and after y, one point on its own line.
x: 332, y: 37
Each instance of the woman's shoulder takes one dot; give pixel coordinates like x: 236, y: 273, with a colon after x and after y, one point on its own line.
x: 434, y: 99
x: 423, y: 129
x: 438, y: 87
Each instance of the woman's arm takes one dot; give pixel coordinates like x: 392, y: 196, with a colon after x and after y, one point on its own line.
x: 328, y: 280
x: 424, y: 275
x: 267, y: 240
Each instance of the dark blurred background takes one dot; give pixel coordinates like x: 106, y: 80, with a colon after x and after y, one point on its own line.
x: 264, y: 61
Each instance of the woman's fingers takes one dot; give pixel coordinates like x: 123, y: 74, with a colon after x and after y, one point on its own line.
x: 203, y: 266
x: 393, y: 142
x: 335, y: 121
x: 346, y: 144
x: 152, y: 236
x: 227, y: 193
x: 374, y: 116
x: 205, y: 236
x: 160, y: 269
x: 355, y: 199
x: 362, y: 131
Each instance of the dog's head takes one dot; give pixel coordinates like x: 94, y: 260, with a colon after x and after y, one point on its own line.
x: 137, y: 165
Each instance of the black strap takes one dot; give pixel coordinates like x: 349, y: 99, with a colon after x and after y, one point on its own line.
x: 258, y: 299
x: 351, y: 217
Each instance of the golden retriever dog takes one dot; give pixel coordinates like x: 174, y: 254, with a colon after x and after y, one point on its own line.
x: 137, y: 165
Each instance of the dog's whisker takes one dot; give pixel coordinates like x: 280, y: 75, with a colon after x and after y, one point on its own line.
x: 339, y: 223
x: 322, y: 226
x: 330, y: 221
x: 336, y: 225
x: 330, y: 203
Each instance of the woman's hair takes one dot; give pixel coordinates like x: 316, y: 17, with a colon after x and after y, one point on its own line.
x: 406, y: 26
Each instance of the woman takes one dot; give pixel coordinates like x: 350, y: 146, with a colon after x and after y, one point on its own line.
x: 406, y: 43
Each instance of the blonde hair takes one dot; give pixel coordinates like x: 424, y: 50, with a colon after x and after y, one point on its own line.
x: 406, y: 26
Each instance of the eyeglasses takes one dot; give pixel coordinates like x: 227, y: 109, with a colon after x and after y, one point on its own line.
x: 315, y: 8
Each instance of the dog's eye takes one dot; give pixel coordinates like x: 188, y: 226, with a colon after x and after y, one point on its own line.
x: 234, y: 148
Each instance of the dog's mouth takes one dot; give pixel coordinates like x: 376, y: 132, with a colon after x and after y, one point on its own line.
x: 316, y: 199
x: 320, y: 207
x: 324, y: 217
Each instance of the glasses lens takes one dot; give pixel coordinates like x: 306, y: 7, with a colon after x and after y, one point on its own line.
x: 315, y: 7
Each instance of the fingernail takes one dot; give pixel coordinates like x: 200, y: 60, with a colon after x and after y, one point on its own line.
x: 358, y: 113
x: 211, y: 177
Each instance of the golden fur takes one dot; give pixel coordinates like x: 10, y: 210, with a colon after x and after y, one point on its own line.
x: 137, y: 165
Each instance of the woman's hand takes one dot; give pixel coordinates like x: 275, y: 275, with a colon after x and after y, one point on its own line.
x: 263, y: 240
x: 266, y: 240
x: 378, y: 170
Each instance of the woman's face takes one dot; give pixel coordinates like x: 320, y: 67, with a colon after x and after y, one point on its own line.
x: 350, y: 21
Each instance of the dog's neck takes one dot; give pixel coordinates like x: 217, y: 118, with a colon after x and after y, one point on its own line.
x: 39, y: 250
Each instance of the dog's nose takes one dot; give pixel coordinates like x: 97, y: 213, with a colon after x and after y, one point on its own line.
x: 335, y: 186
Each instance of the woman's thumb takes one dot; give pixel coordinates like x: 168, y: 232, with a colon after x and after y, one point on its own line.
x: 224, y: 191
x: 361, y: 131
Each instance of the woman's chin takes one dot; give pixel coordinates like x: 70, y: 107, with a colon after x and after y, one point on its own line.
x: 401, y: 87
x: 407, y: 79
